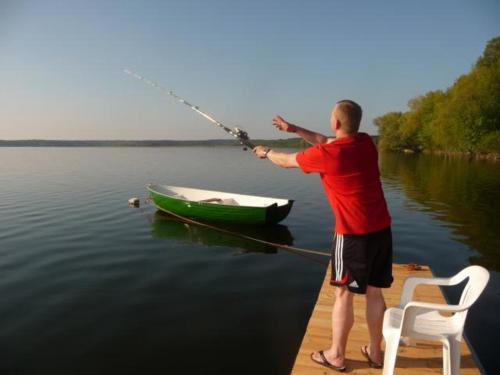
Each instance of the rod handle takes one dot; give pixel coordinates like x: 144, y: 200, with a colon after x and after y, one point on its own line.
x: 247, y: 143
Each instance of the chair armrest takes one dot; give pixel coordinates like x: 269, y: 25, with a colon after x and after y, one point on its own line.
x: 411, y: 283
x: 428, y: 306
x: 413, y: 309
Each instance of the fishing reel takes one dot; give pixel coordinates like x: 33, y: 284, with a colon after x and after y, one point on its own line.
x: 243, y: 138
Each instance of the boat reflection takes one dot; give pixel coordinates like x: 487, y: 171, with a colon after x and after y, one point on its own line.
x: 167, y: 226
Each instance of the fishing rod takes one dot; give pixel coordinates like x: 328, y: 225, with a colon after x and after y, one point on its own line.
x: 239, y: 134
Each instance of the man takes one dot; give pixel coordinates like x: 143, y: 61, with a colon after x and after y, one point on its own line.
x: 362, y: 247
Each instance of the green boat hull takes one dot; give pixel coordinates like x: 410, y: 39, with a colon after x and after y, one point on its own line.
x: 271, y: 214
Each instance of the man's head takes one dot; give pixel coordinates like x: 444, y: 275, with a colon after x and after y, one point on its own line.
x: 346, y: 117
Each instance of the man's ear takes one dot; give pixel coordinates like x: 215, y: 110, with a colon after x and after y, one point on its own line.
x: 337, y: 124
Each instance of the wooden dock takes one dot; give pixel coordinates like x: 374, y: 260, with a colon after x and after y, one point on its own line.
x: 419, y: 358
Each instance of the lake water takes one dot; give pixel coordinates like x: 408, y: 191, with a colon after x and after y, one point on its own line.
x: 89, y: 285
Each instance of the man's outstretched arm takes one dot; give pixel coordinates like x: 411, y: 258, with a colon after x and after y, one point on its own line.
x: 308, y: 135
x: 281, y: 159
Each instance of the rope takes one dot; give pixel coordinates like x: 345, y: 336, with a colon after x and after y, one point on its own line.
x: 222, y: 230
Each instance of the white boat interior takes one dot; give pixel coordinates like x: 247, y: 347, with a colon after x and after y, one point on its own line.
x: 215, y: 197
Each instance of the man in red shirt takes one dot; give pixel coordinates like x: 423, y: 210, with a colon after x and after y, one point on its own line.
x: 362, y: 246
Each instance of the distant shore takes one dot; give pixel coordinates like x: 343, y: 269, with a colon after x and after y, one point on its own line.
x: 290, y: 142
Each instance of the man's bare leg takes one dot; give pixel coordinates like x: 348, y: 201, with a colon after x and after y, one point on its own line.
x: 342, y: 321
x: 375, y: 308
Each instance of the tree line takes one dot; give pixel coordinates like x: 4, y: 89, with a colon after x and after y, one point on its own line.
x: 463, y: 118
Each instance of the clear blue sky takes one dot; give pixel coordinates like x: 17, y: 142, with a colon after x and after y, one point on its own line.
x: 243, y: 61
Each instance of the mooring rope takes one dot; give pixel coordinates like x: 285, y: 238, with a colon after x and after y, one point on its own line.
x: 241, y: 235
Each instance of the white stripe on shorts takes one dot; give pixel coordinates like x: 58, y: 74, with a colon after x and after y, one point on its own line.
x: 339, y: 250
x: 336, y: 256
x: 341, y: 255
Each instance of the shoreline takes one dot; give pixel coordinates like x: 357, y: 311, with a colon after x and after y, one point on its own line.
x: 450, y: 154
x: 283, y: 142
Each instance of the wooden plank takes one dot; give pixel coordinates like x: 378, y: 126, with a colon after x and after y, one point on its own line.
x: 422, y: 357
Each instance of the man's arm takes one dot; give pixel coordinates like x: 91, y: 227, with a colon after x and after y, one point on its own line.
x: 308, y: 135
x: 281, y: 159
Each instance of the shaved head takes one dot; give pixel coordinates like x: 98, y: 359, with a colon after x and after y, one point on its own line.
x: 348, y: 113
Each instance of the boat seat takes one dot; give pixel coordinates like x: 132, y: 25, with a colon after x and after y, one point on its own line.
x: 227, y: 201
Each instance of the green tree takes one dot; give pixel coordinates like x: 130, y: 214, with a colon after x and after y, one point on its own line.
x: 417, y: 128
x: 466, y: 117
x: 389, y: 126
x: 474, y: 107
x: 491, y: 54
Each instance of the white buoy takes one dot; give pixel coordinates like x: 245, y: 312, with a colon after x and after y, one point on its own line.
x: 133, y: 202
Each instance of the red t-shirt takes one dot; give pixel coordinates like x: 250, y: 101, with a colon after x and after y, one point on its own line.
x: 349, y: 172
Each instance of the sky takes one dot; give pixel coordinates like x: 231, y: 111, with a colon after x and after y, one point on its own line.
x: 61, y: 62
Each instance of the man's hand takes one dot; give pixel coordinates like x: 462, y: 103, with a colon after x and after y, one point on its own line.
x: 260, y: 151
x: 283, y: 125
x: 308, y: 135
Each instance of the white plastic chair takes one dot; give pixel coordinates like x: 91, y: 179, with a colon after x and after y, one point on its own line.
x: 422, y: 320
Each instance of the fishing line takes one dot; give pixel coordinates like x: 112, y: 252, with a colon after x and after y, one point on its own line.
x: 239, y: 134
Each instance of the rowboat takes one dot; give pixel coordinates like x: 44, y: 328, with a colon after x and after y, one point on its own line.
x: 208, y: 205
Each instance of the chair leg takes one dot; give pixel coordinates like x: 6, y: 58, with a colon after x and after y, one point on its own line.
x: 451, y: 356
x: 446, y: 357
x: 454, y: 355
x: 391, y: 352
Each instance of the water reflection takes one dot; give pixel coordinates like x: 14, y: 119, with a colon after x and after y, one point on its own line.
x: 463, y: 194
x: 166, y: 226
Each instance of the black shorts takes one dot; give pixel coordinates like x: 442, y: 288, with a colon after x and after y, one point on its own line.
x: 359, y: 260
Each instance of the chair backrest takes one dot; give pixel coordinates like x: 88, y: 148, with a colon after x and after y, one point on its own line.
x: 478, y: 278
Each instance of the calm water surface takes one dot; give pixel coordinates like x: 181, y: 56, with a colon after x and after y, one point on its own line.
x: 90, y: 286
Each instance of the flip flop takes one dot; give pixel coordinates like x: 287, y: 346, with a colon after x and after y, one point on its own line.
x: 372, y: 364
x: 324, y: 362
